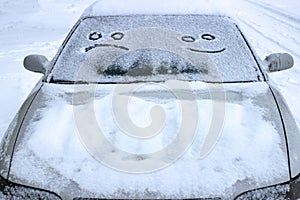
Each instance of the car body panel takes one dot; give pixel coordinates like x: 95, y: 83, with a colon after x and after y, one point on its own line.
x: 11, y: 135
x: 291, y: 131
x: 56, y: 158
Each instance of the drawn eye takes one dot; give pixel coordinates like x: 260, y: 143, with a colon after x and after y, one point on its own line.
x: 95, y: 36
x: 188, y: 39
x: 117, y: 36
x: 208, y: 37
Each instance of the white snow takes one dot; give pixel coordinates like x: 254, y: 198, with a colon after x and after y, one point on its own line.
x: 37, y: 27
x: 230, y: 65
x: 115, y: 7
x: 40, y: 26
x: 249, y: 148
x: 29, y: 27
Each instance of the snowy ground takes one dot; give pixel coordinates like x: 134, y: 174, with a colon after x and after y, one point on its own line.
x: 39, y: 26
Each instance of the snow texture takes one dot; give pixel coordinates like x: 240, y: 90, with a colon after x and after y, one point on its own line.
x: 271, y: 26
x: 115, y: 7
x: 230, y: 59
x: 43, y: 31
x: 278, y: 192
x: 20, y: 193
x: 250, y: 147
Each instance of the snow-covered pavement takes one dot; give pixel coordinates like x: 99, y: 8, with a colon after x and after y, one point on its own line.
x: 272, y: 27
x: 39, y: 26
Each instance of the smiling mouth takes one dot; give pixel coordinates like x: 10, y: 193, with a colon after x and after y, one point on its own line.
x: 206, y: 51
x: 106, y: 45
x: 127, y: 49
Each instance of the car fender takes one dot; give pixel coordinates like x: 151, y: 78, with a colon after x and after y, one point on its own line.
x: 9, y: 139
x: 291, y: 131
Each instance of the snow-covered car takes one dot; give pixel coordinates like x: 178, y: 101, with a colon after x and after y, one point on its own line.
x: 142, y: 106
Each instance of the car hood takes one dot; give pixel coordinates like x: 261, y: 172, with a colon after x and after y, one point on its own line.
x: 93, y: 141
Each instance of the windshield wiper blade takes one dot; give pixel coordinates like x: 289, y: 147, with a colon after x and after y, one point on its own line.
x: 69, y: 82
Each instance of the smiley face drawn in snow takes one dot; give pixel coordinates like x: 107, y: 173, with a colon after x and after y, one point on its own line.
x: 119, y: 36
x: 109, y: 49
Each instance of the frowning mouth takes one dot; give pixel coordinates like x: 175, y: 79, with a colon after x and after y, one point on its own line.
x: 106, y: 45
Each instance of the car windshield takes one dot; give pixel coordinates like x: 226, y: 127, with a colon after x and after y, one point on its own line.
x: 155, y: 48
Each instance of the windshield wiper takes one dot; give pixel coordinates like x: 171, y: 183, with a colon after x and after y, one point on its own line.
x: 68, y: 82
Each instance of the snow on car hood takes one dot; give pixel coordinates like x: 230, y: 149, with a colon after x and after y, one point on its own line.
x: 249, y: 151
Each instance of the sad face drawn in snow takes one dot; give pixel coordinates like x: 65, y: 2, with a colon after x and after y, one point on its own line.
x: 149, y: 51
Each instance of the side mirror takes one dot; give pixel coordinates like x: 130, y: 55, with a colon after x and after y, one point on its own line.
x: 36, y: 63
x: 279, y: 61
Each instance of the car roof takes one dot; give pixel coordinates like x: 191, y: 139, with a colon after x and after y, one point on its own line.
x: 153, y: 7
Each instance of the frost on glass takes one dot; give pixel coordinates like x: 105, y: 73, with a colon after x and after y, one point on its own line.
x: 155, y: 48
